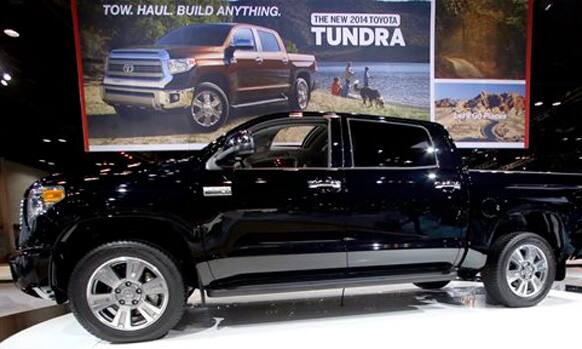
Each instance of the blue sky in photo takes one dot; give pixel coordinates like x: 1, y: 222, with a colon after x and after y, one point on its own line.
x: 470, y: 90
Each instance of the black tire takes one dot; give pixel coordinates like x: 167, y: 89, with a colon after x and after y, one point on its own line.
x: 494, y: 275
x: 435, y: 285
x: 296, y: 102
x: 203, y: 122
x: 81, y: 275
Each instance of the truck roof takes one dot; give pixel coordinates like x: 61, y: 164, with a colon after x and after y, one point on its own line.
x: 227, y: 24
x: 299, y: 115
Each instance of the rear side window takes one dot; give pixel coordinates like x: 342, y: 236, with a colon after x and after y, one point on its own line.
x: 269, y: 42
x: 385, y: 144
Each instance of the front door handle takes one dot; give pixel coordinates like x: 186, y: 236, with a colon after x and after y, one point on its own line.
x: 259, y: 60
x: 329, y: 184
x: 448, y: 186
x: 285, y: 60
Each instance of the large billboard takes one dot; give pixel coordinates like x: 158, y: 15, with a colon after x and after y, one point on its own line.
x: 173, y: 75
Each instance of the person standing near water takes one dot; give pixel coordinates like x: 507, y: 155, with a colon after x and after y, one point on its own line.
x: 367, y: 77
x: 348, y: 74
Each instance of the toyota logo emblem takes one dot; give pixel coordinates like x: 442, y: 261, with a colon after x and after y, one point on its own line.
x: 128, y: 68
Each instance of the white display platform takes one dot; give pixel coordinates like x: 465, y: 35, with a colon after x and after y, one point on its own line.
x: 397, y: 316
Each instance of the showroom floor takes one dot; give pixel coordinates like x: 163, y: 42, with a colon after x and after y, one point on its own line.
x: 13, y: 301
x: 396, y: 315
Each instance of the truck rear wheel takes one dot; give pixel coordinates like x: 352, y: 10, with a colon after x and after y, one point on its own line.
x: 210, y: 107
x: 520, y: 270
x: 127, y: 291
x: 301, y: 94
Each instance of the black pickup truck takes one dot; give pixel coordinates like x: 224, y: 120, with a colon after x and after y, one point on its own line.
x: 292, y: 202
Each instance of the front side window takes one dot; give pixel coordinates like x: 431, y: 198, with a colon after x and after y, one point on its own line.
x: 386, y: 144
x: 275, y: 145
x: 269, y: 42
x: 243, y: 37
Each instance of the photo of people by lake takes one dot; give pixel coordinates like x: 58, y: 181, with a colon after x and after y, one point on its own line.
x: 394, y: 89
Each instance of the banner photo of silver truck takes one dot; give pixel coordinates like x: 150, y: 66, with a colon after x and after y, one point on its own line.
x: 174, y: 75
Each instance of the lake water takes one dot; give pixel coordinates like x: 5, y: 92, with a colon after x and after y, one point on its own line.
x: 402, y: 83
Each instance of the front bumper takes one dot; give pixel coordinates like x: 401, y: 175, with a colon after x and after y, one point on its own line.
x: 150, y: 98
x: 30, y: 271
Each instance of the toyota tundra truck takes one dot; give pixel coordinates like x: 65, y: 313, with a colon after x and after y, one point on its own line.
x: 206, y: 70
x: 281, y: 204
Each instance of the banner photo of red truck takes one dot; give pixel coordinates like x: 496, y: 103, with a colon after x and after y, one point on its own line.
x: 174, y: 75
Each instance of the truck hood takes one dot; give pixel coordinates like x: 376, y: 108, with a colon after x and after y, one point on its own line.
x: 177, y: 51
x: 108, y: 178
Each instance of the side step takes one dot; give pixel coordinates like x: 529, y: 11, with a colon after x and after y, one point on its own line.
x: 266, y: 101
x: 330, y: 284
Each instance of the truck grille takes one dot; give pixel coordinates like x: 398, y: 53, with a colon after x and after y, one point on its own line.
x: 140, y: 69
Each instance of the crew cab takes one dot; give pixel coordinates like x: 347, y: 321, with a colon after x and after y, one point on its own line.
x: 287, y: 203
x: 205, y: 70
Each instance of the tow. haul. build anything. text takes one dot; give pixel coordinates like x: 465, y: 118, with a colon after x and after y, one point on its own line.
x: 189, y: 10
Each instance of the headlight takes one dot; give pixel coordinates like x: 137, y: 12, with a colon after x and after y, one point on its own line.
x: 40, y: 199
x: 176, y: 66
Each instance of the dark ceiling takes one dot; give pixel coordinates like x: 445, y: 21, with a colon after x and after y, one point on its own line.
x: 41, y: 101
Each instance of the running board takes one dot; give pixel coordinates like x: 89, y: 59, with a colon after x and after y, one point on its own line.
x: 330, y: 284
x: 267, y: 101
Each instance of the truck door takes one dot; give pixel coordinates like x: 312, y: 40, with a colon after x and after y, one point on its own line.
x: 407, y: 211
x: 275, y: 64
x: 245, y: 65
x: 286, y: 222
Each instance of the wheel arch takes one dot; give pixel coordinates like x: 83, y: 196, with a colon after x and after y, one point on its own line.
x: 305, y: 74
x: 549, y: 225
x: 218, y: 79
x: 76, y: 241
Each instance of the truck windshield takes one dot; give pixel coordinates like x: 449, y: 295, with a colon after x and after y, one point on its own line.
x: 197, y: 35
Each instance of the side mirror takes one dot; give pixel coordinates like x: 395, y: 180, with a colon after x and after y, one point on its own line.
x: 239, y: 44
x: 242, y: 44
x: 242, y: 142
x: 239, y: 143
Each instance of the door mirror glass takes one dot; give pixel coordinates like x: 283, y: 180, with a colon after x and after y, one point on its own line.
x: 243, y: 44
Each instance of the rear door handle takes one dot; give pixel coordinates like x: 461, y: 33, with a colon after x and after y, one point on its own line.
x: 330, y: 184
x: 285, y: 60
x: 259, y: 60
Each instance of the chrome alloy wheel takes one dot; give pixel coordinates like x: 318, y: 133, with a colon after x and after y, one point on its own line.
x: 527, y: 270
x: 127, y: 293
x: 302, y: 90
x: 207, y: 108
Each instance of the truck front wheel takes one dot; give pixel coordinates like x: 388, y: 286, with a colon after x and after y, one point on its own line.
x: 127, y: 291
x: 520, y: 270
x: 301, y: 94
x: 210, y: 107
